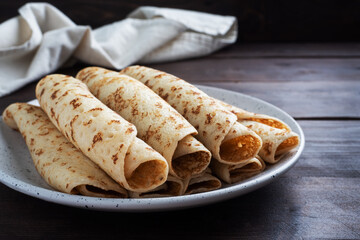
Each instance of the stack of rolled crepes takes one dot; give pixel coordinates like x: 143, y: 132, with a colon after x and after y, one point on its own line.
x: 240, y: 141
x: 142, y: 133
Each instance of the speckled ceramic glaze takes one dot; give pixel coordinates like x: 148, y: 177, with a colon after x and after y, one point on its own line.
x: 18, y: 172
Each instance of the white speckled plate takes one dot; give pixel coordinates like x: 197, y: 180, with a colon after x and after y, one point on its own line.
x: 18, y: 172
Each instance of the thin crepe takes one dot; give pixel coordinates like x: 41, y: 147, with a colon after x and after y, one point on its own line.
x: 172, y: 187
x: 101, y: 134
x: 228, y: 141
x: 158, y: 124
x: 203, y: 182
x: 276, y: 135
x: 242, y: 114
x: 235, y: 173
x: 58, y: 161
x: 276, y: 142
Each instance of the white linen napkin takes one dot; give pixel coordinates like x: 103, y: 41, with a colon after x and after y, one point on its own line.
x: 42, y: 39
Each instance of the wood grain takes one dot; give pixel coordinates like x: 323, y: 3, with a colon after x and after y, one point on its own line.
x: 291, y: 50
x: 265, y: 70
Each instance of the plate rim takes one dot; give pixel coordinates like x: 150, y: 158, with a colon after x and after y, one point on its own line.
x: 164, y: 203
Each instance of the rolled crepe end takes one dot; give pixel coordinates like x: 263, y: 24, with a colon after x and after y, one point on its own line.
x: 205, y: 186
x: 148, y: 174
x: 287, y: 145
x: 190, y: 164
x: 172, y: 187
x: 239, y: 149
x: 93, y: 191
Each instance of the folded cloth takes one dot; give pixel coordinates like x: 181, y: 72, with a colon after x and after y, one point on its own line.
x: 42, y: 39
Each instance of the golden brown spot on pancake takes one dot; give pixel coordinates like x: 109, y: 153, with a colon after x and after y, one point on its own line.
x: 53, y: 95
x: 63, y: 164
x: 72, y: 130
x: 114, y: 158
x: 75, y: 103
x: 42, y: 92
x: 196, y: 110
x: 134, y: 112
x: 46, y: 132
x: 193, y: 92
x: 39, y: 152
x: 239, y: 148
x: 97, y: 138
x: 59, y: 149
x: 147, y: 82
x: 8, y: 114
x: 65, y: 93
x: 114, y: 121
x: 129, y: 130
x: 204, y: 133
x: 160, y: 75
x: 121, y: 146
x: 29, y: 109
x: 165, y: 96
x: 56, y: 84
x: 32, y: 141
x: 179, y: 126
x: 95, y: 109
x: 217, y: 137
x: 158, y: 104
x: 46, y: 164
x: 209, y: 117
x: 88, y: 123
x: 157, y: 137
x: 91, y: 177
x: 172, y: 119
x: 52, y: 113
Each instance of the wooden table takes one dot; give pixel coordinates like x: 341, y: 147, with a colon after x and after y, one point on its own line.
x: 318, y: 84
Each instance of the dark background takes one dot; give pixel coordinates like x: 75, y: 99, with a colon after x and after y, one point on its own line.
x: 259, y: 20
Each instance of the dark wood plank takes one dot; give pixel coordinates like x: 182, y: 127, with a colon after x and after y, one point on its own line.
x: 317, y: 199
x: 303, y: 99
x: 290, y: 50
x: 265, y: 70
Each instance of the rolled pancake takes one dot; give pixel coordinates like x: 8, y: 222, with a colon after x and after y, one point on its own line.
x: 203, y: 182
x: 101, y: 134
x: 58, y: 161
x: 157, y: 123
x: 276, y: 142
x: 261, y: 118
x: 172, y: 187
x: 235, y: 173
x: 228, y: 141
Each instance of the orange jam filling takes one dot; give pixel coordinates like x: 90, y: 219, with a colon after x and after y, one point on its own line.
x: 239, y: 148
x: 270, y: 122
